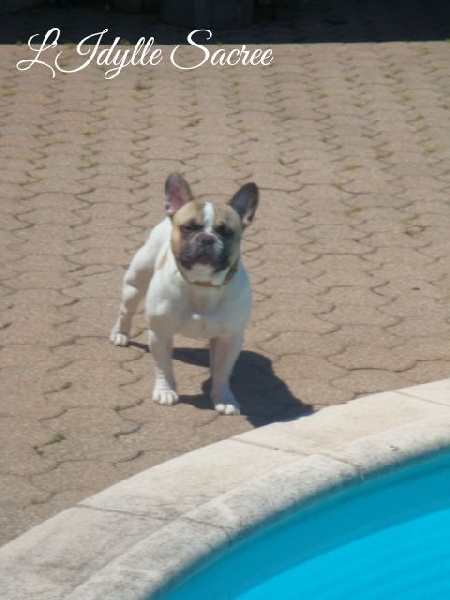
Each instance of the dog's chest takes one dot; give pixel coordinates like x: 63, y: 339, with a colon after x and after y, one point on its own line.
x: 203, y: 319
x: 199, y: 326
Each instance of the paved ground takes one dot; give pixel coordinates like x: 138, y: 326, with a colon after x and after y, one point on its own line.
x: 349, y: 140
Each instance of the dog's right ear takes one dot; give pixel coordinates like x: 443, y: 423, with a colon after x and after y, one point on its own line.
x: 177, y: 192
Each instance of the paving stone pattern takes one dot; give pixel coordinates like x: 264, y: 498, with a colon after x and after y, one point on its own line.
x: 349, y: 256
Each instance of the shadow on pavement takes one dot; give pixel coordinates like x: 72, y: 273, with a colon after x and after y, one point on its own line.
x: 264, y: 398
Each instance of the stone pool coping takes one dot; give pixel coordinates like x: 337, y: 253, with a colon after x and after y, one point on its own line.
x: 131, y: 540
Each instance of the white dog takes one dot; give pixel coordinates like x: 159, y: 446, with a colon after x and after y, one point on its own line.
x: 191, y: 273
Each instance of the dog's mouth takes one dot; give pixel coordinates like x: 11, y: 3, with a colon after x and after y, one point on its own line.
x: 205, y: 260
x: 211, y: 255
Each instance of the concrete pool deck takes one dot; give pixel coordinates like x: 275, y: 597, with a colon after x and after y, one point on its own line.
x: 130, y: 540
x: 348, y: 137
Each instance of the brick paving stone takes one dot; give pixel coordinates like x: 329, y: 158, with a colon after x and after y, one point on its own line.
x: 348, y: 136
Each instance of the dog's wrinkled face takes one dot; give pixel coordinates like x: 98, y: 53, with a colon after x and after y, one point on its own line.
x: 206, y: 234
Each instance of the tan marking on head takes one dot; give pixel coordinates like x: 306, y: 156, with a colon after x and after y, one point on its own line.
x: 189, y: 213
x: 226, y: 215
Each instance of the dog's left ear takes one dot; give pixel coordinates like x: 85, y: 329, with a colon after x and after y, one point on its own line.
x: 177, y: 192
x: 245, y: 202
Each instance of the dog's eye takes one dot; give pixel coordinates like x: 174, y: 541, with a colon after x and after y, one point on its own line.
x: 224, y: 231
x: 191, y: 228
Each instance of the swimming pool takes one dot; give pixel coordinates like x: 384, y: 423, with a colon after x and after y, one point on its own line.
x: 388, y: 537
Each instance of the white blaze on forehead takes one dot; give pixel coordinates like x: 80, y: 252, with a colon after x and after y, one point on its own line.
x: 208, y: 215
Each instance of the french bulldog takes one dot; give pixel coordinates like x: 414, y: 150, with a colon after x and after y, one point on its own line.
x: 191, y: 273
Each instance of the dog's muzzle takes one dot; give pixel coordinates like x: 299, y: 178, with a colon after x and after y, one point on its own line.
x: 205, y: 249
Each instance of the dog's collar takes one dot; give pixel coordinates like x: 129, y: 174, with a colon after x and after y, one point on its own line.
x: 231, y: 273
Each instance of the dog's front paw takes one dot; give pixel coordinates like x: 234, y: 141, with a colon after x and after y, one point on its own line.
x: 225, y: 403
x: 227, y: 409
x: 119, y: 339
x: 164, y: 396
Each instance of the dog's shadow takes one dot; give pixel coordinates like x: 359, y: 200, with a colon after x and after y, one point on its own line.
x: 264, y: 398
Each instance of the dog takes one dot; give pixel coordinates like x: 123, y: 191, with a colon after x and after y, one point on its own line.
x: 191, y: 273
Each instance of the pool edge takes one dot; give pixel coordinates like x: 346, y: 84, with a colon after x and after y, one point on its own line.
x: 141, y: 540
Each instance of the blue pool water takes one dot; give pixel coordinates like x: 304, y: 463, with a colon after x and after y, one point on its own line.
x: 387, y: 538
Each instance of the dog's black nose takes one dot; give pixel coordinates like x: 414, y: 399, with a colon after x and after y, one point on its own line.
x: 205, y: 240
